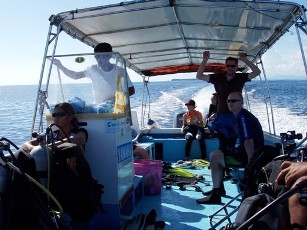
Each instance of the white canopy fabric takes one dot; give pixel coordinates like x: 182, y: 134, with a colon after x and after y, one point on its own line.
x: 168, y: 36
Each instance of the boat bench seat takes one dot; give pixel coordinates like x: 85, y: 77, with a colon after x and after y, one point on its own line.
x: 173, y: 149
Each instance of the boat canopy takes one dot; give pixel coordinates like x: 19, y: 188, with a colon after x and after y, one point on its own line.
x: 158, y: 37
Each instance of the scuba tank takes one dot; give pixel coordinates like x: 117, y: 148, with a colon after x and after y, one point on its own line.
x: 3, y: 179
x: 3, y: 188
x: 39, y: 153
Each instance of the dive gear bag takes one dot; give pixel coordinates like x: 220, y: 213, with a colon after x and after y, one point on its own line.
x: 80, y: 194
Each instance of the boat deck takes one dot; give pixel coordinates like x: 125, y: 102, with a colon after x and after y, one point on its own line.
x: 179, y: 209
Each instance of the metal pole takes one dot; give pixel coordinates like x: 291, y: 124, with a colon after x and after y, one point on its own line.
x: 273, y: 204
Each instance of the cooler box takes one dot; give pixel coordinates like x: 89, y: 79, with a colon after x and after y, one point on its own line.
x: 151, y: 170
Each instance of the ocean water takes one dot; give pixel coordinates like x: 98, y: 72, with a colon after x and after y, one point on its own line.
x: 166, y: 99
x: 288, y: 100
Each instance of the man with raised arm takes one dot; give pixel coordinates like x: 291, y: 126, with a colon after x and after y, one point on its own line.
x: 224, y: 84
x: 103, y: 74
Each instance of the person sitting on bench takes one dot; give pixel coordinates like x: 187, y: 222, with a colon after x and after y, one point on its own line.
x: 193, y: 128
x: 251, y: 138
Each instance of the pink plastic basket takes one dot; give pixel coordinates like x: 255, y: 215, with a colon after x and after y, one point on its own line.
x: 151, y: 170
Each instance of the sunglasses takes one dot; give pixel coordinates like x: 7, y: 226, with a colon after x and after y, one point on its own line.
x: 59, y: 114
x: 232, y: 66
x: 232, y: 100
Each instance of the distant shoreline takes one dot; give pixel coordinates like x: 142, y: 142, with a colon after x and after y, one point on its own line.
x: 187, y: 79
x: 275, y: 79
x: 184, y: 79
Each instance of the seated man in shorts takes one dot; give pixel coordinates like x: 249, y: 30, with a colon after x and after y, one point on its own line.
x: 250, y: 135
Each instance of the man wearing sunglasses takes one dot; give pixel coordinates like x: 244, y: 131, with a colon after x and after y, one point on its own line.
x: 224, y: 84
x: 250, y: 136
x: 103, y: 74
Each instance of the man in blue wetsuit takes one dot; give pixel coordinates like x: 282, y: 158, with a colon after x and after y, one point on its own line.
x: 250, y: 135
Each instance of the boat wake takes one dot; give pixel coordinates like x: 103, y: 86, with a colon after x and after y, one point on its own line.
x: 163, y: 109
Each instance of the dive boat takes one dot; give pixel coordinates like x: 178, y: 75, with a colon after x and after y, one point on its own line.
x: 155, y: 38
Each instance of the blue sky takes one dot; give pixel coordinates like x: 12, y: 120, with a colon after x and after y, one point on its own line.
x: 24, y: 27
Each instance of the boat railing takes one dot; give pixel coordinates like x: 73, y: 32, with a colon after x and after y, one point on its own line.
x: 267, y: 100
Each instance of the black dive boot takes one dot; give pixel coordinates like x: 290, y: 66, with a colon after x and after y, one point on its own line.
x: 213, y: 198
x: 221, y: 190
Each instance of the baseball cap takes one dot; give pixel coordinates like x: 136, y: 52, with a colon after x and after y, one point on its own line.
x: 190, y: 102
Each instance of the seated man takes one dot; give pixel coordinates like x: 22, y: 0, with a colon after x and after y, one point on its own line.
x: 250, y: 136
x: 193, y: 128
x: 291, y: 174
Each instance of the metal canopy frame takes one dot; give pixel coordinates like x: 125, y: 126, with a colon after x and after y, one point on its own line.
x: 160, y: 37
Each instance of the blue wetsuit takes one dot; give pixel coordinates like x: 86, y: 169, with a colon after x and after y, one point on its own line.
x: 223, y: 123
x: 247, y: 126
